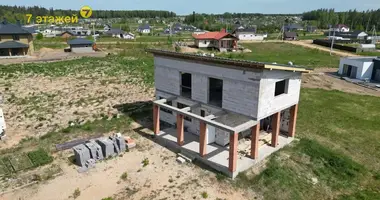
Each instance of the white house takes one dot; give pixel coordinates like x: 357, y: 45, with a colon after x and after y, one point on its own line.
x: 248, y: 35
x: 144, y: 28
x: 340, y: 28
x: 118, y: 33
x: 363, y: 68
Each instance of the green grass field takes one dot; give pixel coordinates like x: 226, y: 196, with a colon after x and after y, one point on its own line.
x: 339, y: 150
x: 282, y: 53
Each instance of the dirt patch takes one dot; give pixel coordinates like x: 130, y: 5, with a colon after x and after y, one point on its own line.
x: 162, y: 178
x: 34, y: 106
x: 320, y: 78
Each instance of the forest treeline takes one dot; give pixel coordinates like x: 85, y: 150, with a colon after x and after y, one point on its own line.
x: 13, y: 13
x: 356, y: 20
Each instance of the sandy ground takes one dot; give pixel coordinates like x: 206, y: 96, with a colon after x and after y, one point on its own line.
x: 320, y: 79
x: 36, y: 105
x: 163, y: 178
x: 47, y: 54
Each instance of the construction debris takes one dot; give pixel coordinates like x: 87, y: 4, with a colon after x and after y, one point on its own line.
x: 130, y: 142
x: 180, y: 160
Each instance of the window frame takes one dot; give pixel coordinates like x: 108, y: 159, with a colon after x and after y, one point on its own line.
x: 186, y: 87
x: 285, y: 90
x: 16, y: 37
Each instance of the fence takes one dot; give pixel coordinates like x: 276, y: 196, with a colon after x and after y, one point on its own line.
x: 327, y: 43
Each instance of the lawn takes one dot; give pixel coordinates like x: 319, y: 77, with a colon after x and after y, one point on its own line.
x: 282, y: 53
x: 310, y: 36
x: 337, y: 156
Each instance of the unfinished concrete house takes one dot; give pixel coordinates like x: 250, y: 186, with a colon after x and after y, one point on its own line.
x: 220, y: 107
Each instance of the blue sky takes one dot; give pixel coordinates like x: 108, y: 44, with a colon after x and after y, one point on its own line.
x: 207, y: 6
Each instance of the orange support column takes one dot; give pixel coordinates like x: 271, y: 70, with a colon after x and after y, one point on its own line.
x: 292, y: 121
x: 275, y: 128
x: 233, y: 152
x: 180, y: 134
x: 255, y: 131
x: 156, y: 119
x: 202, y: 139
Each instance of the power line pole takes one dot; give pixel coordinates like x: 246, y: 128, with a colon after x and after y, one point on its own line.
x: 332, y: 43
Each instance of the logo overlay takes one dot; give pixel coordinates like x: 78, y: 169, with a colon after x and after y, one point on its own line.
x: 85, y: 12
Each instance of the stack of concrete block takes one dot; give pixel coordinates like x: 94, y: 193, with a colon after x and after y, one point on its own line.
x: 107, y: 146
x: 120, y: 143
x: 95, y: 150
x: 90, y: 163
x: 115, y: 146
x: 130, y: 142
x: 82, y: 154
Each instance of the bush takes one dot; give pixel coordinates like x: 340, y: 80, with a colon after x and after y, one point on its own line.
x: 108, y: 198
x: 124, y: 176
x: 76, y: 193
x: 177, y: 49
x: 145, y: 162
x: 204, y: 195
x: 40, y: 157
x: 39, y: 36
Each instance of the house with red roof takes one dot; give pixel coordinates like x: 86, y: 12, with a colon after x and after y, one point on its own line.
x: 222, y: 40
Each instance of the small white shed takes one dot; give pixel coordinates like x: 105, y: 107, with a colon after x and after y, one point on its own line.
x: 356, y: 67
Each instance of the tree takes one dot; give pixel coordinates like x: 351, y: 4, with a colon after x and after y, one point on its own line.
x: 39, y: 36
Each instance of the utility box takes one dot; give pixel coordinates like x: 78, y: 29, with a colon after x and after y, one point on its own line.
x: 107, y: 146
x: 95, y: 150
x: 82, y: 154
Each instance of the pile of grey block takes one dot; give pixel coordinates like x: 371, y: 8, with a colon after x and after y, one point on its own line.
x: 102, y: 148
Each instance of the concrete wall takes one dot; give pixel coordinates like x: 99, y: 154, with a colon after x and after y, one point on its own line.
x: 204, y: 43
x: 82, y: 49
x: 270, y: 104
x: 240, y: 88
x: 26, y: 39
x: 364, y: 67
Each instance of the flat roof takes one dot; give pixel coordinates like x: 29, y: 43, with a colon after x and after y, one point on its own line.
x: 362, y: 59
x: 246, y: 64
x: 12, y: 45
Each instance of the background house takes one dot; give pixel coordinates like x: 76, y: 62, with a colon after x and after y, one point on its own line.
x: 292, y: 27
x: 118, y: 33
x: 67, y: 34
x: 340, y: 28
x: 358, y: 35
x: 311, y: 29
x: 222, y: 40
x: 248, y: 34
x: 290, y: 36
x: 14, y: 40
x: 144, y: 28
x: 80, y: 45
